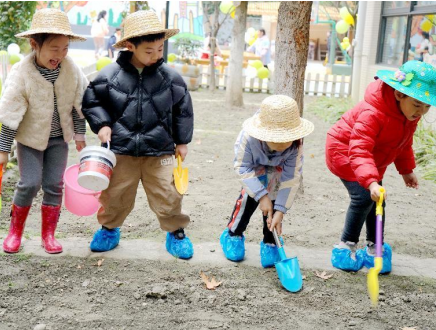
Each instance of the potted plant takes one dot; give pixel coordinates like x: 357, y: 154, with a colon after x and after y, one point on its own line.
x: 185, y: 61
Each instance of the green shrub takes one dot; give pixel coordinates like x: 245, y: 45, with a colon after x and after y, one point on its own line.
x: 330, y: 109
x: 16, y: 17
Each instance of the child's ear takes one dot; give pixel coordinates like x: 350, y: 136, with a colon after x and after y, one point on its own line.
x: 130, y: 47
x: 33, y: 44
x: 398, y: 95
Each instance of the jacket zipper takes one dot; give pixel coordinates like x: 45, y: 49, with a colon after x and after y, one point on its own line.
x: 138, y: 117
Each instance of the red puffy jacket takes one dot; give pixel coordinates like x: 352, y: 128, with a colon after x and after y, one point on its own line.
x: 371, y: 136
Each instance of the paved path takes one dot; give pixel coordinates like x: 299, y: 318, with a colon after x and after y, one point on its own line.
x: 211, y: 254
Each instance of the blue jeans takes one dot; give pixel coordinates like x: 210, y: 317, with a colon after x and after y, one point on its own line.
x: 361, y: 209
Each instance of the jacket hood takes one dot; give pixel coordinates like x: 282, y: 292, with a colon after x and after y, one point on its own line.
x: 381, y: 96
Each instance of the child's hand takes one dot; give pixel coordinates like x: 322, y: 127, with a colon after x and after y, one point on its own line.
x: 182, y: 150
x: 104, y: 134
x: 4, y: 157
x: 411, y: 180
x: 374, y: 189
x: 276, y: 222
x: 266, y: 207
x: 80, y: 145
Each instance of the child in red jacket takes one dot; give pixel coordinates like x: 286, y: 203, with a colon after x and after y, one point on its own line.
x: 377, y: 132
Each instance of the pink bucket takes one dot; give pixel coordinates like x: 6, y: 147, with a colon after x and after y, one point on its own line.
x: 78, y: 200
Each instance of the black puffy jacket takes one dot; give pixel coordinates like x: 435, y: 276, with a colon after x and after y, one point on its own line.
x: 148, y: 113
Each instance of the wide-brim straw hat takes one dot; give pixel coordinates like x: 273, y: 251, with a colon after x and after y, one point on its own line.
x: 142, y: 23
x: 278, y: 121
x: 415, y: 79
x: 52, y: 21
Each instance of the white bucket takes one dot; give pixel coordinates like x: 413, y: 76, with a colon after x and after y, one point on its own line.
x: 96, y: 166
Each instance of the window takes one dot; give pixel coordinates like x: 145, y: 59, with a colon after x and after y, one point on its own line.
x: 408, y: 31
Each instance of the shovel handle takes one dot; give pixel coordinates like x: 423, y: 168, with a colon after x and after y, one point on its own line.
x: 379, y: 203
x: 276, y: 238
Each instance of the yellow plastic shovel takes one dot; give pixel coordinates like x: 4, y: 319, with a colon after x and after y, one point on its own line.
x: 180, y: 177
x: 372, y: 279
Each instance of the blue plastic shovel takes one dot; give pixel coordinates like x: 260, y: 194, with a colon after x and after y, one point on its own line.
x: 288, y: 270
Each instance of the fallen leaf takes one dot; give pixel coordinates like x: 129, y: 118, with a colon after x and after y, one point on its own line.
x: 198, y: 142
x: 118, y: 283
x: 408, y: 328
x: 100, y: 262
x: 209, y: 161
x: 312, y: 156
x: 323, y: 275
x: 79, y: 267
x: 304, y: 277
x: 210, y: 284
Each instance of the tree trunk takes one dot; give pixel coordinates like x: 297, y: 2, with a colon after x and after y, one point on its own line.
x: 234, y: 81
x: 292, y: 44
x: 214, y: 33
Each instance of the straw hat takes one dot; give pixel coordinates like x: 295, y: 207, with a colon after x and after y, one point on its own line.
x: 278, y: 121
x: 141, y: 23
x: 415, y: 79
x: 51, y: 21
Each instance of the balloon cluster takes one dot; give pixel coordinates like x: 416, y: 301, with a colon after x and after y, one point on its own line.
x: 428, y: 23
x: 250, y: 36
x: 256, y: 69
x: 13, y: 53
x: 344, y: 24
x: 228, y: 7
x: 345, y: 43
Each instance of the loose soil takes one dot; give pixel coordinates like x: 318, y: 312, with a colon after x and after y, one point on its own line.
x: 121, y: 294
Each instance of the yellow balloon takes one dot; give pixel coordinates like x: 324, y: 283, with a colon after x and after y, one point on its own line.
x: 343, y: 12
x: 14, y: 58
x: 346, y: 40
x: 171, y: 57
x: 256, y: 64
x: 342, y: 27
x: 262, y: 73
x: 426, y: 26
x: 232, y: 15
x: 252, y: 41
x: 226, y: 7
x: 102, y: 62
x: 349, y: 19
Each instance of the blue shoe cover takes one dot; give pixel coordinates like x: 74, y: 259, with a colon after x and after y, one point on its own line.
x: 233, y: 246
x: 269, y: 254
x: 368, y: 260
x: 342, y: 259
x: 179, y: 248
x: 105, y: 239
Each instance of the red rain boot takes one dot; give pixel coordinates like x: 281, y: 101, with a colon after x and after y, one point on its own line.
x: 12, y: 242
x: 50, y: 217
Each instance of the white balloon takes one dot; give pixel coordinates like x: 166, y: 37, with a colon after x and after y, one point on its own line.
x: 251, y: 72
x: 13, y: 49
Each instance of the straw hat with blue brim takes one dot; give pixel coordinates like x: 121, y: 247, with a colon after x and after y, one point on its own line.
x: 415, y: 79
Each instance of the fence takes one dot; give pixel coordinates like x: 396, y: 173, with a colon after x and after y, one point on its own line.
x: 314, y: 84
x: 327, y: 85
x: 248, y: 84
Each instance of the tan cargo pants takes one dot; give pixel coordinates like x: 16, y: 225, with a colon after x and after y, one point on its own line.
x: 156, y: 175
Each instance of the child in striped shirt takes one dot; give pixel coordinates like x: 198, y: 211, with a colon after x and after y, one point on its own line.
x: 268, y: 161
x: 41, y: 109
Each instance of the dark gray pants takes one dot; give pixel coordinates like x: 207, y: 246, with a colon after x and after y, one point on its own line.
x: 44, y: 168
x: 360, y: 211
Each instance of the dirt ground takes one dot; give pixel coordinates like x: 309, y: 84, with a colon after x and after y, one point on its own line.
x: 150, y: 295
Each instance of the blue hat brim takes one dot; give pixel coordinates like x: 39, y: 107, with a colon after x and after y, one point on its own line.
x: 388, y: 77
